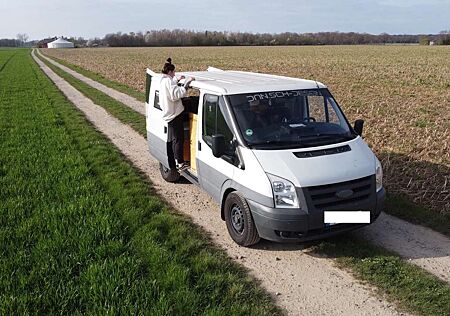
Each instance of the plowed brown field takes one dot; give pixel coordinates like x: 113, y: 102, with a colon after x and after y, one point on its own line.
x: 402, y: 92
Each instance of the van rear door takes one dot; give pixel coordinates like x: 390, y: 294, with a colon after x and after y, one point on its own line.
x: 156, y: 126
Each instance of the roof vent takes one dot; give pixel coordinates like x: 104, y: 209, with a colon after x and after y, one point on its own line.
x: 213, y: 69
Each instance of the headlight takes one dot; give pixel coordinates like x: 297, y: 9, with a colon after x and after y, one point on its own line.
x: 284, y: 193
x: 378, y: 175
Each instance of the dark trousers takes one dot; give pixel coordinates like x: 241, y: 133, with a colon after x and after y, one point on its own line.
x: 176, y: 137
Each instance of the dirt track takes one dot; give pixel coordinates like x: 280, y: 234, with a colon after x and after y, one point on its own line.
x: 119, y: 96
x: 306, y: 285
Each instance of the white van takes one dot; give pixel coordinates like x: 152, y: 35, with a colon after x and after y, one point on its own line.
x: 276, y: 153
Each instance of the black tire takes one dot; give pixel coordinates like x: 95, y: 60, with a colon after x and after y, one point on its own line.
x: 239, y: 220
x: 170, y: 175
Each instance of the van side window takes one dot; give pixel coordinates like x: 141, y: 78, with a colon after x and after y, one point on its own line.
x: 156, y: 103
x: 210, y: 104
x: 214, y: 122
x: 322, y: 110
x: 317, y: 108
x: 332, y: 115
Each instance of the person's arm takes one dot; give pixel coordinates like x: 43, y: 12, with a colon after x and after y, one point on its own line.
x: 175, y: 92
x: 188, y: 81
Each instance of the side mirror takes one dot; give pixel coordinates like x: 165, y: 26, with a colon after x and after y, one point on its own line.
x: 358, y: 127
x: 218, y: 145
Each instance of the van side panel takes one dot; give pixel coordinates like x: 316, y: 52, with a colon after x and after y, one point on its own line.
x: 253, y: 180
x: 211, y: 179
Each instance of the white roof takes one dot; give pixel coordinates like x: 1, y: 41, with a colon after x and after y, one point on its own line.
x: 61, y: 40
x: 236, y: 82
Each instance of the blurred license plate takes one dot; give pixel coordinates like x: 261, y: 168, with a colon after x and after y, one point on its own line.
x: 346, y: 217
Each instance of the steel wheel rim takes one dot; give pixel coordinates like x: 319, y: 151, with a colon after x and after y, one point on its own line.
x: 237, y: 219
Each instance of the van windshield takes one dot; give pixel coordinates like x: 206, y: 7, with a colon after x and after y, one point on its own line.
x: 290, y: 119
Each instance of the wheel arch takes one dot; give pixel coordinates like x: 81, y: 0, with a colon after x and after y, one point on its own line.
x: 232, y: 186
x: 227, y: 188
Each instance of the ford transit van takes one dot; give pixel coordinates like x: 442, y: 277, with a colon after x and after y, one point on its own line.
x: 276, y: 153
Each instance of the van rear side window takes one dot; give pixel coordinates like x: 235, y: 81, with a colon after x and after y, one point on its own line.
x: 156, y: 103
x: 209, y: 117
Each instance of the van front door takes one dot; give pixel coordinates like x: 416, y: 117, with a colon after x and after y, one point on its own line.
x: 212, y: 171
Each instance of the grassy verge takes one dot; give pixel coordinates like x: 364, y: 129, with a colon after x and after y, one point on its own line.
x: 97, y: 77
x: 79, y: 229
x: 400, y: 206
x: 405, y: 284
x: 116, y: 108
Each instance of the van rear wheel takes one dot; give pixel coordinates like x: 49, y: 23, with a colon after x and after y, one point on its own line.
x: 239, y: 220
x: 170, y: 175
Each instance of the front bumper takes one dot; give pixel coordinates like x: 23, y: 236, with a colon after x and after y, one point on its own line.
x: 284, y: 225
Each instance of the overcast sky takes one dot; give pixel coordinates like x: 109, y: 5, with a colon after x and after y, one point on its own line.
x: 91, y: 18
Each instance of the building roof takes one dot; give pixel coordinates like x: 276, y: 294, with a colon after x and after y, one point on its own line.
x: 236, y: 82
x: 61, y: 41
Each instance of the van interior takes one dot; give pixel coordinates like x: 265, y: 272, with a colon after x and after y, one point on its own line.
x: 191, y: 103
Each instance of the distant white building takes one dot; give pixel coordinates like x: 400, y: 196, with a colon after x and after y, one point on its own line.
x: 60, y: 43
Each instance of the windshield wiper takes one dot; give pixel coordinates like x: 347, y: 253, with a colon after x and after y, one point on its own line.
x: 327, y: 137
x: 278, y: 144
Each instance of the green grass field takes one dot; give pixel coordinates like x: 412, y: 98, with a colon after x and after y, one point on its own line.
x: 79, y: 228
x: 407, y: 285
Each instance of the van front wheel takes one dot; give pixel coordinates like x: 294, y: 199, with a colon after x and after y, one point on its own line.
x: 170, y: 175
x: 239, y: 220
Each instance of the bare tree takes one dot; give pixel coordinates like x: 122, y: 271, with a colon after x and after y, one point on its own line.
x: 22, y: 38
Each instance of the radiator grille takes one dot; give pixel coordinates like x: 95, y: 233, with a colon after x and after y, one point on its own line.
x: 338, y: 195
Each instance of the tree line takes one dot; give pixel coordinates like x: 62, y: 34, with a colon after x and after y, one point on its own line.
x: 7, y: 42
x: 21, y: 40
x: 179, y: 37
x: 214, y: 38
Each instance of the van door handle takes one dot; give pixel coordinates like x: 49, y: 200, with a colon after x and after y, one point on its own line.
x: 199, y: 147
x: 165, y: 129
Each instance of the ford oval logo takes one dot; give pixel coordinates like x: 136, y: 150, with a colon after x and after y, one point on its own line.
x: 344, y: 194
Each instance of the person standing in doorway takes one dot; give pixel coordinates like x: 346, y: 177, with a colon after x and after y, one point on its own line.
x: 170, y: 95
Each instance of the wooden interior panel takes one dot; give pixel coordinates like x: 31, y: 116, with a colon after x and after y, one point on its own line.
x: 193, y: 140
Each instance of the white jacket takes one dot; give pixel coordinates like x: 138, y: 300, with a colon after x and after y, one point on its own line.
x: 170, y: 95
